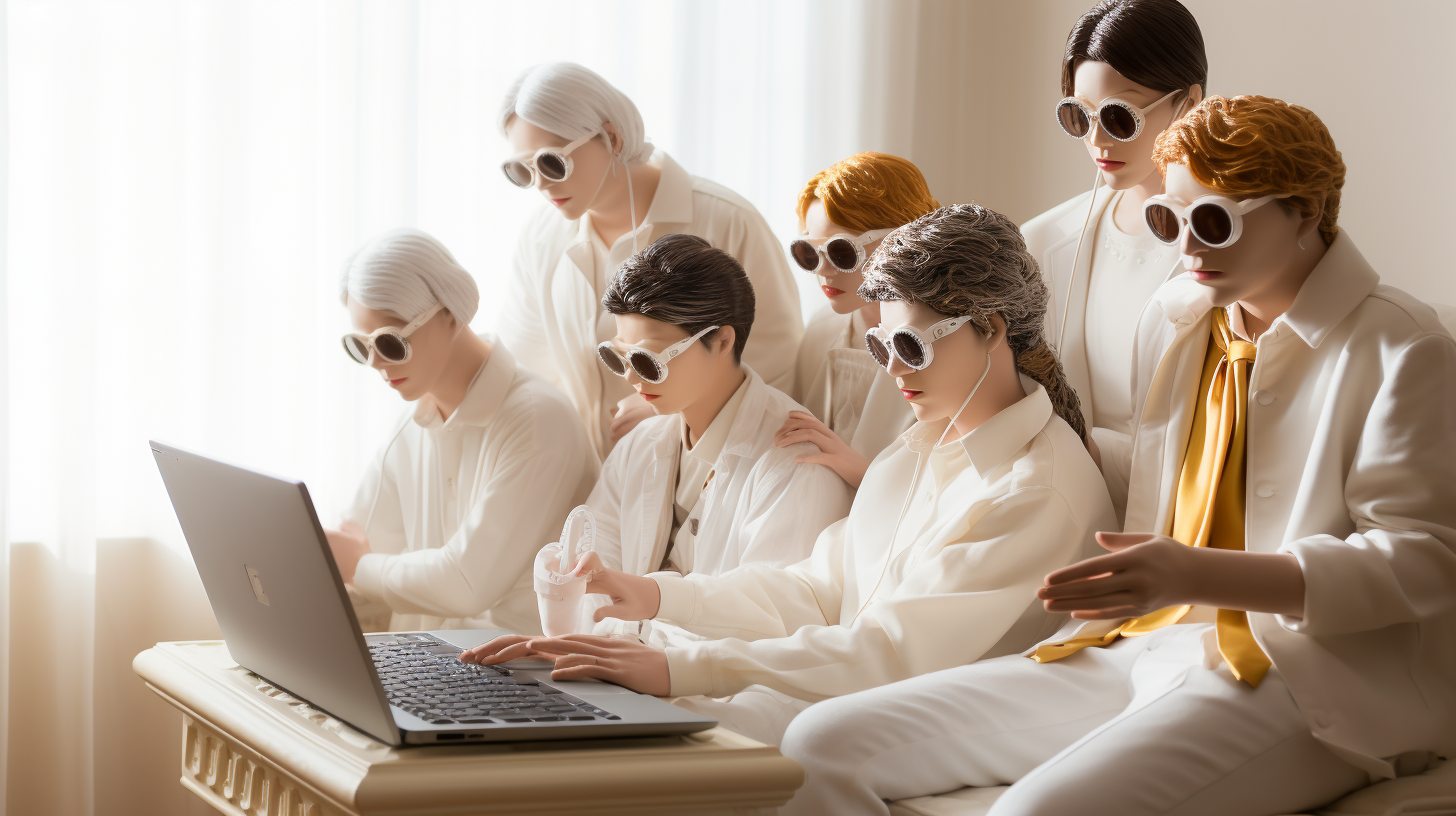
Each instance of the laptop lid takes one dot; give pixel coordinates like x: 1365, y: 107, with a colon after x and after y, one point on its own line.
x: 273, y: 586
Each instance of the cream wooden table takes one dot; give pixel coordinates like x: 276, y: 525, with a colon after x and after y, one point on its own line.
x: 250, y: 749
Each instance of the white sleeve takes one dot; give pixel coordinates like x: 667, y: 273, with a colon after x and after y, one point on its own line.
x: 519, y: 507
x: 789, y: 507
x: 1400, y: 563
x: 778, y: 324
x: 951, y: 607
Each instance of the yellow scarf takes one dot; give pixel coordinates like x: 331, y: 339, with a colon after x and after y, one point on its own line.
x: 1210, y: 504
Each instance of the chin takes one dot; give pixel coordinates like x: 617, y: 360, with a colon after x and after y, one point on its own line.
x: 847, y: 303
x: 924, y: 414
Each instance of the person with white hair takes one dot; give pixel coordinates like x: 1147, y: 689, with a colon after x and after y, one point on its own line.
x: 451, y: 512
x: 579, y: 141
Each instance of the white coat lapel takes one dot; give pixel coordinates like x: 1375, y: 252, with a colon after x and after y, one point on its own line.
x: 1069, y: 270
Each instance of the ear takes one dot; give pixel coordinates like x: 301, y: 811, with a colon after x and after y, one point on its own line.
x: 613, y: 137
x: 998, y: 328
x: 1308, y: 226
x: 1190, y: 100
x: 723, y: 340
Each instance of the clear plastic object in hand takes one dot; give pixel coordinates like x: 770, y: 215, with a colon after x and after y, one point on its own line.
x: 558, y: 588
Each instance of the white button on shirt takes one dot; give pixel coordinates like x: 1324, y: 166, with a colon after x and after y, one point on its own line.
x: 516, y: 451
x: 991, y: 515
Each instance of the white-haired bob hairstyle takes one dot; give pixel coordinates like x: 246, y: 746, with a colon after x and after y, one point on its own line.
x: 572, y: 101
x: 405, y: 272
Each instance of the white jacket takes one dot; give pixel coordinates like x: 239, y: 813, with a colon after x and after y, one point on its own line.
x: 550, y: 319
x: 1052, y: 239
x: 881, y: 599
x: 456, y: 509
x: 845, y: 388
x: 1352, y: 468
x: 761, y: 506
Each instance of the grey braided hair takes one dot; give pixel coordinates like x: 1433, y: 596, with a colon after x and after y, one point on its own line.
x: 968, y: 260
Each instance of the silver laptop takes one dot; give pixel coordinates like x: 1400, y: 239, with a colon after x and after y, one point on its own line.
x: 281, y: 604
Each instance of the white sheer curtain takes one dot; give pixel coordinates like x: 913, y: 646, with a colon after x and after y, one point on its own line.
x: 183, y: 182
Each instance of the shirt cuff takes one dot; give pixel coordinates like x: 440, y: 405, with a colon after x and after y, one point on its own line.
x: 689, y: 671
x: 369, y: 576
x: 1331, y: 568
x: 678, y: 597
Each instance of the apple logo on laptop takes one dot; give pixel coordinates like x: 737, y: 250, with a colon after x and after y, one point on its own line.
x: 256, y: 582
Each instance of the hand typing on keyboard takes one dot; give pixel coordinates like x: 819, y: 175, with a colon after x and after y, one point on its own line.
x: 624, y: 661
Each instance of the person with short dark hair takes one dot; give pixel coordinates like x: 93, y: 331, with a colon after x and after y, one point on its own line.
x: 1129, y: 70
x: 701, y: 487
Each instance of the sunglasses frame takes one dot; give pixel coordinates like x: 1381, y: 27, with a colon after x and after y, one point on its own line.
x: 402, y: 334
x: 562, y: 153
x: 1235, y: 210
x: 1138, y: 115
x: 658, y: 358
x: 856, y: 241
x: 925, y: 338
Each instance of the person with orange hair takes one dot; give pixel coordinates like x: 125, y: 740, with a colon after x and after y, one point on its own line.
x: 1277, y: 628
x: 844, y: 213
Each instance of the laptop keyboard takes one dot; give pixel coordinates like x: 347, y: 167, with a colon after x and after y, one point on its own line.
x: 424, y: 676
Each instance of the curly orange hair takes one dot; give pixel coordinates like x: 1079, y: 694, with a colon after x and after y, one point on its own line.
x: 1252, y: 146
x: 869, y: 191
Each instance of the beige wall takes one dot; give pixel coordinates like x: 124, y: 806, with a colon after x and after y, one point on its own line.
x: 985, y: 79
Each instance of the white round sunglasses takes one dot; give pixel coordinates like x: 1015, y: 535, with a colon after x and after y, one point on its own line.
x: 552, y: 163
x: 391, y: 343
x: 1216, y: 221
x: 914, y: 347
x: 650, y: 366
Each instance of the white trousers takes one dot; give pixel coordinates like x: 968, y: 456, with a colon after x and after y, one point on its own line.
x: 1145, y: 726
x: 757, y: 712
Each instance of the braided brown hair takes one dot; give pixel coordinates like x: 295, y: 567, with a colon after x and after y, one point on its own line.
x: 968, y: 260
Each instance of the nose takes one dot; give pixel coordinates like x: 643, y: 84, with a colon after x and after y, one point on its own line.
x: 1097, y: 136
x: 375, y: 361
x: 897, y: 367
x: 1188, y: 244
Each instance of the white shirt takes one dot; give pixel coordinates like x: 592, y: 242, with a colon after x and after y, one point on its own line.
x: 1351, y: 465
x: 694, y: 469
x: 552, y: 315
x: 988, y: 516
x: 1125, y: 272
x: 842, y: 385
x: 1052, y: 238
x: 761, y: 506
x: 456, y: 509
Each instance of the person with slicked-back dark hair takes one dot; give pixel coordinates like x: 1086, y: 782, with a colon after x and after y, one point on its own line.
x: 953, y: 527
x: 700, y: 488
x: 1129, y: 70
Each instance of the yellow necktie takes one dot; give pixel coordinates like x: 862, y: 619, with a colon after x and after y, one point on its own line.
x: 1209, y: 510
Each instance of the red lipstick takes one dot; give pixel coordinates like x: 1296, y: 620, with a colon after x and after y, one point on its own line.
x: 1109, y: 164
x: 831, y: 292
x: 909, y: 394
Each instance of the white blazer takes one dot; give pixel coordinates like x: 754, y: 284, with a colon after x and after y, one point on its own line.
x: 1052, y: 239
x: 551, y: 313
x: 846, y: 389
x: 1351, y: 468
x: 936, y: 566
x: 761, y: 506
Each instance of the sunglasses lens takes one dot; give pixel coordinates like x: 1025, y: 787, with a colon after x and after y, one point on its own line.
x: 1118, y: 121
x: 1073, y: 119
x: 908, y: 349
x: 391, y: 347
x: 1162, y: 222
x: 877, y: 349
x: 611, y: 360
x: 517, y: 173
x: 1211, y: 224
x: 647, y: 367
x: 804, y: 255
x: 842, y: 254
x: 552, y: 166
x: 358, y: 352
